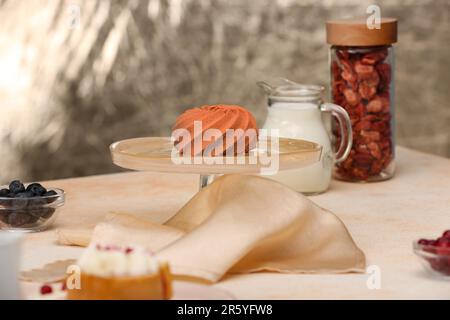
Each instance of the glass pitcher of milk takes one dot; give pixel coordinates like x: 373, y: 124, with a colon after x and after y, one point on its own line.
x: 297, y: 111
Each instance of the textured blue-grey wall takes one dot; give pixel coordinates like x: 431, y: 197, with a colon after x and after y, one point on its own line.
x: 127, y: 68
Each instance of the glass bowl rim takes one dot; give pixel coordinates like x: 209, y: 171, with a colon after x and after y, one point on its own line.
x: 59, y: 193
x: 419, y: 249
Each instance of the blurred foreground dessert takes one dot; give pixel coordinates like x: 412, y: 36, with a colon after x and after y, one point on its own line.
x: 219, y: 130
x: 115, y: 273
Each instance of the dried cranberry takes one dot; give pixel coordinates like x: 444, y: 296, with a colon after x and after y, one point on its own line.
x: 360, y: 173
x: 444, y: 250
x: 363, y: 159
x: 384, y: 70
x: 362, y: 125
x: 364, y: 71
x: 374, y: 150
x: 443, y: 242
x: 352, y: 97
x: 366, y: 91
x: 370, y: 136
x: 446, y: 234
x: 373, y: 57
x: 375, y: 105
x: 377, y: 167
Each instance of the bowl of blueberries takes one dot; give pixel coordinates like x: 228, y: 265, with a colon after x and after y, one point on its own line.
x: 28, y: 208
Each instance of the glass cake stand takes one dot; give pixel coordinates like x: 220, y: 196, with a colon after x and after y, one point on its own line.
x: 155, y: 154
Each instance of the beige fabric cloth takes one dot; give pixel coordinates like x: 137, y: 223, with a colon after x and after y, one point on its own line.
x: 237, y: 224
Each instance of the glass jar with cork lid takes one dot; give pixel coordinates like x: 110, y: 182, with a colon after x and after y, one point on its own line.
x: 362, y: 82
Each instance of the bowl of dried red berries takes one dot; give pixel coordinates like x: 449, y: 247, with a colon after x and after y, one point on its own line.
x: 28, y: 208
x: 435, y: 254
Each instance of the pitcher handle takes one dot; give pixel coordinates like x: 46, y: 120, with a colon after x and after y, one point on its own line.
x: 345, y: 127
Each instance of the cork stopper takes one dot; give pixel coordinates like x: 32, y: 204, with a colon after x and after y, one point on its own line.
x: 354, y: 32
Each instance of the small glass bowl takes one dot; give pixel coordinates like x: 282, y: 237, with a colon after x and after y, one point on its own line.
x: 30, y: 214
x: 436, y: 260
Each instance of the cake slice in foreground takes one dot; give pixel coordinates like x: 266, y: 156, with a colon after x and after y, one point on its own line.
x: 115, y: 273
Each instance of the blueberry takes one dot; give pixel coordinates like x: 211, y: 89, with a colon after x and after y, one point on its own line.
x: 26, y: 194
x: 37, y: 189
x: 32, y: 219
x: 17, y: 219
x: 4, y: 215
x: 8, y: 202
x: 4, y: 192
x: 36, y: 212
x: 51, y: 194
x: 37, y: 202
x: 44, y: 213
x: 21, y: 200
x: 48, y: 213
x: 16, y: 186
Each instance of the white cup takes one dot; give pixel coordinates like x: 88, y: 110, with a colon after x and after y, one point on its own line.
x: 9, y: 265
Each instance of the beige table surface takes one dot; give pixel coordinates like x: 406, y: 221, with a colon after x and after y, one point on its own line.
x: 383, y: 218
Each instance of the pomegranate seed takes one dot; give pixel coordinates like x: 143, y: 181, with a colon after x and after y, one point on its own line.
x: 446, y: 234
x: 46, y: 289
x: 128, y: 250
x: 433, y: 243
x: 112, y: 248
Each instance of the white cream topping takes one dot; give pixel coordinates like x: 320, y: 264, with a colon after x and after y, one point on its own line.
x: 102, y: 262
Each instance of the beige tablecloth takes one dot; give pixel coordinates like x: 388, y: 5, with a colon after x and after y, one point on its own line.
x: 383, y: 218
